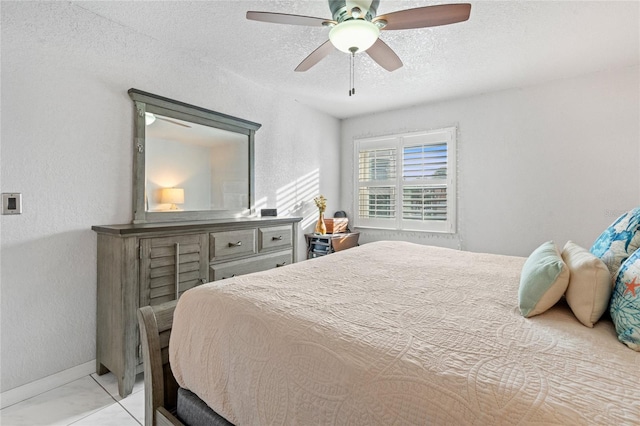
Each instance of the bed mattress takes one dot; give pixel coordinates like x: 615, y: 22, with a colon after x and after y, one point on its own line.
x: 396, y: 333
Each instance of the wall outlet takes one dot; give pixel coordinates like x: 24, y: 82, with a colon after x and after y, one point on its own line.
x: 11, y: 203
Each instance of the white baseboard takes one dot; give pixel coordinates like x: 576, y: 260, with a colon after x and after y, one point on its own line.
x: 15, y: 395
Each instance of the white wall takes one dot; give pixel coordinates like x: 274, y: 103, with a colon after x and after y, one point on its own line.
x: 556, y: 161
x: 67, y: 128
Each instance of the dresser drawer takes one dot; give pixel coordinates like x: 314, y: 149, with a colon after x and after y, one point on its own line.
x: 275, y: 237
x: 228, y: 244
x: 234, y: 268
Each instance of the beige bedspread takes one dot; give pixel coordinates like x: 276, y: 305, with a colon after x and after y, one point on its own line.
x: 394, y: 333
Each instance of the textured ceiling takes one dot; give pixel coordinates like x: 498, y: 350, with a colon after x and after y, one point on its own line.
x: 504, y: 44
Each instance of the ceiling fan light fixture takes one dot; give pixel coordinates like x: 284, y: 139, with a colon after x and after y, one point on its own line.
x: 355, y: 33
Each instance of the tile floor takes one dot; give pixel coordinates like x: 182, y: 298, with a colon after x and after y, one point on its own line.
x: 90, y: 401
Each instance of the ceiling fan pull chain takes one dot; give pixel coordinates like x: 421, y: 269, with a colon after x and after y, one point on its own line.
x: 352, y: 73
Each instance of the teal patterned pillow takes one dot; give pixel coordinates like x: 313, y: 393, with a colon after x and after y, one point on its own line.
x: 618, y: 241
x: 625, y: 302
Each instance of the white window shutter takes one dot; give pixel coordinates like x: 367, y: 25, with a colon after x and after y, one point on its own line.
x: 407, y: 181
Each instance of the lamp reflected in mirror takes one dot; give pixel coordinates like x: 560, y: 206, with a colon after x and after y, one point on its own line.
x: 172, y: 196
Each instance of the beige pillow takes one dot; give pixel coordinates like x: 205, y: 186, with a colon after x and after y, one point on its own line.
x: 589, y: 284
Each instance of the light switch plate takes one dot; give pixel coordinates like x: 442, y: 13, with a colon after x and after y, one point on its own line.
x: 11, y: 203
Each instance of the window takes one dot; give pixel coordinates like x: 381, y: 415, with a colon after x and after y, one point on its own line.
x: 407, y: 181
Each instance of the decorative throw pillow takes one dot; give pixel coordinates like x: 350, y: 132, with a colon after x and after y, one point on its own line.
x: 543, y: 281
x: 589, y: 288
x: 618, y: 241
x: 625, y: 302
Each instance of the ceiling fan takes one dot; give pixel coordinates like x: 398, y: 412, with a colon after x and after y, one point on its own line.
x: 355, y: 27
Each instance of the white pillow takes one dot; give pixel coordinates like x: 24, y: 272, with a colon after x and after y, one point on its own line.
x: 589, y: 284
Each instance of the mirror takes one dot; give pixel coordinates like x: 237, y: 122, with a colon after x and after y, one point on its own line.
x: 190, y: 163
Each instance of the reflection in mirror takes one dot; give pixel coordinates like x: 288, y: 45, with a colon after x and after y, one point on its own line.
x: 190, y: 163
x: 207, y: 166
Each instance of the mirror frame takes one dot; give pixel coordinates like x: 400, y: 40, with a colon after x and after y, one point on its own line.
x: 147, y: 102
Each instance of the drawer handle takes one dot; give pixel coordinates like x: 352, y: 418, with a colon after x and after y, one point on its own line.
x: 224, y: 278
x: 278, y: 238
x: 177, y: 270
x: 238, y: 244
x: 280, y: 264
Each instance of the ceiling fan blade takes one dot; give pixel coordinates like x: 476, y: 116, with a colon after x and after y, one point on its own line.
x: 284, y: 18
x: 315, y: 56
x: 173, y: 122
x: 384, y: 56
x: 428, y: 16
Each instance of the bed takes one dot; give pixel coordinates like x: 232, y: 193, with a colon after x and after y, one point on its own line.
x: 393, y: 333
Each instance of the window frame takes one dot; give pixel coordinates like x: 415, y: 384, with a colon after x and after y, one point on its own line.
x: 399, y: 142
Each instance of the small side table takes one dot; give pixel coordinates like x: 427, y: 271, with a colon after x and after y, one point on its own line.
x: 321, y: 245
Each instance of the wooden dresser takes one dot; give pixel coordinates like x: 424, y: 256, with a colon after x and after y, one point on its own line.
x: 152, y: 263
